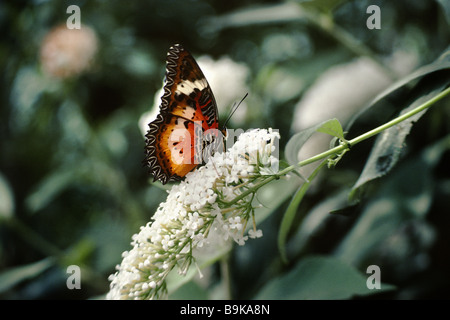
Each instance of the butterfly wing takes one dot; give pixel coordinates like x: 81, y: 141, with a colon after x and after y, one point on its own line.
x: 188, y: 108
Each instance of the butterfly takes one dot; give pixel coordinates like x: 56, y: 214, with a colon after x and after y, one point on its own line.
x: 186, y: 128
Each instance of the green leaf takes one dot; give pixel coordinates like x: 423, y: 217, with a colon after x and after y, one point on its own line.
x: 49, y: 189
x: 391, y: 101
x: 404, y: 197
x: 256, y: 15
x: 175, y: 281
x: 189, y: 291
x: 333, y: 128
x: 314, y: 221
x: 271, y: 198
x: 326, y: 6
x: 6, y: 199
x: 296, y: 142
x: 80, y: 252
x: 318, y: 277
x: 445, y: 4
x: 417, y: 88
x: 291, y: 211
x: 388, y: 147
x: 14, y: 276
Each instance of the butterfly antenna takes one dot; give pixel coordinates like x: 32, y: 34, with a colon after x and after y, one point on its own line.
x: 218, y: 174
x: 233, y: 110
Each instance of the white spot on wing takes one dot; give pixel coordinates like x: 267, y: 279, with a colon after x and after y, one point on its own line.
x: 187, y: 87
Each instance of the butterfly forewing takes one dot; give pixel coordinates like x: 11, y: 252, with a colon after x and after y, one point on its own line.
x: 174, y: 141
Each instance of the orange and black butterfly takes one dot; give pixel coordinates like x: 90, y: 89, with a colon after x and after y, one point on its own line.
x: 186, y: 129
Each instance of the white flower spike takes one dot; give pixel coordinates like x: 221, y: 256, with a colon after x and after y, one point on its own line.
x: 207, y: 209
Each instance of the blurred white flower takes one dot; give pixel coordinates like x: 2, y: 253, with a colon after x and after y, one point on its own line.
x: 150, y: 115
x: 202, y: 213
x: 228, y: 81
x: 343, y: 90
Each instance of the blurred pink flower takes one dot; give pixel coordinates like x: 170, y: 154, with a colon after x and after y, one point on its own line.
x: 68, y: 52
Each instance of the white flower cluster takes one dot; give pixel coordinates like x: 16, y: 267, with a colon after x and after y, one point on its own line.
x: 207, y: 209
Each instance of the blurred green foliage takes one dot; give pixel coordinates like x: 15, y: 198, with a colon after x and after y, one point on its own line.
x: 73, y: 189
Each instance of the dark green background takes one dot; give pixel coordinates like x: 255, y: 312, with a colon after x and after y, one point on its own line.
x: 71, y: 153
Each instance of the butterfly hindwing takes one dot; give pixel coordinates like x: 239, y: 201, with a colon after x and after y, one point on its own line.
x: 188, y: 109
x: 169, y: 148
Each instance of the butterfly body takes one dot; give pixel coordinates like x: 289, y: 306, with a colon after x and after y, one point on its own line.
x: 187, y: 123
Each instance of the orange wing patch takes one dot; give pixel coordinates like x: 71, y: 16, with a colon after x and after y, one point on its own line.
x: 173, y: 148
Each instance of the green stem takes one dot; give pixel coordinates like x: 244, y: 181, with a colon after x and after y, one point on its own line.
x: 399, y: 119
x: 341, y: 148
x: 292, y: 210
x: 225, y: 271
